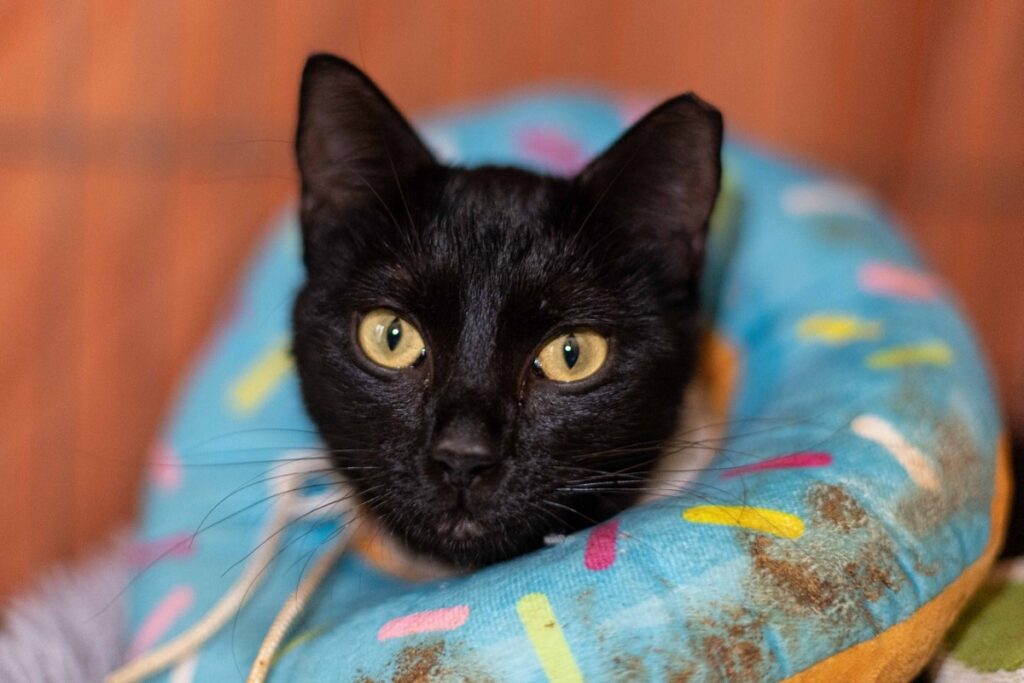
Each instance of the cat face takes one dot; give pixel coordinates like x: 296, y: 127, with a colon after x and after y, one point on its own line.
x: 494, y: 355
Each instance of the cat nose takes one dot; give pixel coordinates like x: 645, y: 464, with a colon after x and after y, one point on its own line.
x: 462, y: 460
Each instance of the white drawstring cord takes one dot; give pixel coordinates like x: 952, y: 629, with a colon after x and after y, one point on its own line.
x: 293, y: 609
x: 289, y: 505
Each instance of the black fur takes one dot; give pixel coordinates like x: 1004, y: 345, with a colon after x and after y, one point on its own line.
x: 489, y: 263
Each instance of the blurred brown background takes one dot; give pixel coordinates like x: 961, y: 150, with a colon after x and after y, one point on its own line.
x: 143, y: 144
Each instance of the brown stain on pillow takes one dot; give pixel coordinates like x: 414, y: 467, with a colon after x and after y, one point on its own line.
x: 965, y: 476
x: 843, y: 562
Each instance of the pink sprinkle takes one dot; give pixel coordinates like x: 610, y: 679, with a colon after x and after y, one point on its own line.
x: 600, y: 552
x: 161, y: 619
x: 165, y: 467
x: 632, y: 107
x: 444, y: 619
x: 552, y: 148
x: 781, y: 462
x: 890, y: 279
x: 145, y: 553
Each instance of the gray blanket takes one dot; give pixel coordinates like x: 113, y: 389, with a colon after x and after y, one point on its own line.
x: 70, y: 627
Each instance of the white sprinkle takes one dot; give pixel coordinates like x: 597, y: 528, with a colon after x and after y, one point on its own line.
x: 917, y: 466
x: 442, y: 143
x: 826, y: 197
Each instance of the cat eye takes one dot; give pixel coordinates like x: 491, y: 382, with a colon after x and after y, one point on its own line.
x: 572, y: 357
x: 389, y: 340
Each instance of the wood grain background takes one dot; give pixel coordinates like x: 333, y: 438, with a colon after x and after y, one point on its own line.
x: 144, y: 143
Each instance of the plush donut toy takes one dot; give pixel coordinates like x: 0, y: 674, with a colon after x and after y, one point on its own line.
x: 858, y: 499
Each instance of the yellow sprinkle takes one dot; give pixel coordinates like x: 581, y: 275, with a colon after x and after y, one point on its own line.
x: 838, y: 329
x: 913, y: 461
x: 261, y: 378
x: 757, y: 519
x: 547, y: 639
x: 929, y: 353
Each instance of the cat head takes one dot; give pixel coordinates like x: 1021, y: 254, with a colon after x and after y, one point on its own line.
x: 493, y: 355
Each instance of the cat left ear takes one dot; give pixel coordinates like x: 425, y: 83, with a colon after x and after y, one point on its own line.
x: 352, y: 143
x: 660, y: 179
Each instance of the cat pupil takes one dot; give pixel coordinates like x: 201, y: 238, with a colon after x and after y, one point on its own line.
x: 394, y: 334
x: 571, y: 351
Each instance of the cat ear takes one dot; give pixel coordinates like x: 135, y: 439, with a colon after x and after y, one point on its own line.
x: 352, y: 144
x: 660, y: 180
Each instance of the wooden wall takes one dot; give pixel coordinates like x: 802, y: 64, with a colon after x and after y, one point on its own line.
x: 143, y: 143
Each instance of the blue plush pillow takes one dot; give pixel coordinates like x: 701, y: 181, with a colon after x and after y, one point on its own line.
x: 850, y: 509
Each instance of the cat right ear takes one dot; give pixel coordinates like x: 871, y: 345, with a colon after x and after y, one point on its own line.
x: 660, y: 179
x: 353, y: 145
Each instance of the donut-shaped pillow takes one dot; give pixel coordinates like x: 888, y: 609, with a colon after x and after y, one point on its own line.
x: 856, y: 500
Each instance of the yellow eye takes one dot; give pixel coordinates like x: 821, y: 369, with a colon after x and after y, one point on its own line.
x: 572, y: 357
x: 389, y: 340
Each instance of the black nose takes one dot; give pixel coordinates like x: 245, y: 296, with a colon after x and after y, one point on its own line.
x: 463, y: 460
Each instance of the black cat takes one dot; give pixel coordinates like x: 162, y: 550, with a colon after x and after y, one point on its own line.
x: 494, y: 355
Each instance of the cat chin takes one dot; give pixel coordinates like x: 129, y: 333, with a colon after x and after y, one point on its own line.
x: 456, y: 546
x: 461, y: 530
x: 382, y: 549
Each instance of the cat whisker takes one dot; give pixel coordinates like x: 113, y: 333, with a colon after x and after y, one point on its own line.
x: 561, y: 526
x: 256, y: 482
x: 296, y: 520
x: 250, y: 431
x: 288, y: 457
